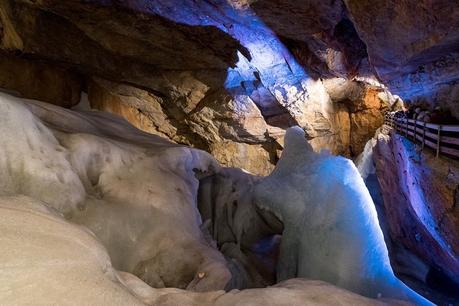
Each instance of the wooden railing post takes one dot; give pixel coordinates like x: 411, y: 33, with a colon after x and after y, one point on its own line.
x: 406, y: 128
x: 423, y: 136
x: 415, y: 125
x: 438, y: 140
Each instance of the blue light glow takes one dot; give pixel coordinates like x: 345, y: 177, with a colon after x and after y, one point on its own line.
x: 271, y: 65
x: 417, y: 198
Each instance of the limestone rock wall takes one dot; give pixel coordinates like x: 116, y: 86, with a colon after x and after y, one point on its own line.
x: 420, y: 199
x: 271, y: 52
x: 230, y: 76
x: 237, y: 138
x: 238, y: 135
x: 213, y: 75
x: 412, y: 45
x: 40, y: 80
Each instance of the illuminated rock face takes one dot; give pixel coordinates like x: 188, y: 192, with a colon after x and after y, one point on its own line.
x: 201, y: 76
x: 340, y: 116
x: 235, y: 133
x: 419, y: 194
x: 241, y: 72
x: 417, y: 53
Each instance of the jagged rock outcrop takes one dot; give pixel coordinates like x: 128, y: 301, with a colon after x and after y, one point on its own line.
x: 364, y: 105
x: 420, y: 195
x: 84, y: 33
x: 417, y: 52
x: 216, y: 57
x: 319, y: 34
x: 415, y: 55
x: 237, y: 134
x: 123, y: 42
x: 216, y: 79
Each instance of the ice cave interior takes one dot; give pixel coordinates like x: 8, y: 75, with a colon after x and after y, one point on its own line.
x: 229, y: 152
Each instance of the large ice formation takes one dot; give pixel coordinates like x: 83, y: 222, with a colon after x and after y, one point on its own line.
x: 46, y: 260
x: 331, y: 229
x: 138, y: 194
x: 135, y: 191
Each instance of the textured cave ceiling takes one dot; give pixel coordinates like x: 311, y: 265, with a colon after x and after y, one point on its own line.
x: 209, y: 72
x: 410, y: 46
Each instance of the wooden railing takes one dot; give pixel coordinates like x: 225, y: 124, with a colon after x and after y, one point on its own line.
x: 444, y: 139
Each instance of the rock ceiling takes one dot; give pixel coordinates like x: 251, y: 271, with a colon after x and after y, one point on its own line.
x: 236, y: 72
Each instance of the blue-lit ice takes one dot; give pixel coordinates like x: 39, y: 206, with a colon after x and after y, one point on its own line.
x: 137, y: 193
x: 331, y: 229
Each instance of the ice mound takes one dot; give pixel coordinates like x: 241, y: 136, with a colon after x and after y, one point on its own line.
x: 138, y: 194
x: 331, y: 230
x: 135, y: 191
x: 46, y: 260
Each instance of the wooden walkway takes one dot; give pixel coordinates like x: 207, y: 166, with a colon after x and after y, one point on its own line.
x: 444, y: 139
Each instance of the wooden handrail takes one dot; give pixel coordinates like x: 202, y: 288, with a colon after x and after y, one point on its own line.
x: 446, y: 128
x: 429, y: 134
